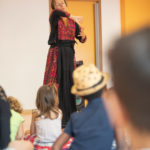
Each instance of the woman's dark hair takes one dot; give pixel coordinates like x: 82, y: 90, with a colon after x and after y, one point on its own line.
x: 53, y: 3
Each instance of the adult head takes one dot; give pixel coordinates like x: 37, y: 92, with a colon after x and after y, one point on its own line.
x: 89, y: 81
x: 59, y: 4
x: 130, y: 64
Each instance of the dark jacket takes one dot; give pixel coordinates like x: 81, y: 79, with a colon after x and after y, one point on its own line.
x: 4, y: 120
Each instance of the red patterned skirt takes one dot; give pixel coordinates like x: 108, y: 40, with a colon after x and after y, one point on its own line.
x: 51, y: 67
x: 50, y: 75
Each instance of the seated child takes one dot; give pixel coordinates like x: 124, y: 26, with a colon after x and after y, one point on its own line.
x: 90, y: 127
x: 46, y: 120
x: 16, y: 120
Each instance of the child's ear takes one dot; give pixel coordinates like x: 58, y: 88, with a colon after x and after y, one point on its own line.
x: 114, y: 108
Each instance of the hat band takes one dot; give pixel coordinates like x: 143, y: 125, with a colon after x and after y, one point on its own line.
x: 92, y: 86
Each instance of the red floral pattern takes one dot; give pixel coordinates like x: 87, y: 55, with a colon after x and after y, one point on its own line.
x: 51, y: 66
x: 66, y: 32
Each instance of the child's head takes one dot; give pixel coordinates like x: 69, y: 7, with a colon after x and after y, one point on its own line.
x: 47, y: 99
x: 89, y: 81
x: 15, y: 104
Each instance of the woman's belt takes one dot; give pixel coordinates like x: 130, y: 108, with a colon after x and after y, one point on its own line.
x: 64, y: 43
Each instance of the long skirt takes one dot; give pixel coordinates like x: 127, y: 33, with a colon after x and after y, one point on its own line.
x: 59, y: 69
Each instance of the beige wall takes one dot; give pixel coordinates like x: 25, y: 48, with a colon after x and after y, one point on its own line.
x: 111, y: 28
x: 24, y: 33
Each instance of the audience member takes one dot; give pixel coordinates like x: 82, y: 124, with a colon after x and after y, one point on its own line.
x: 16, y: 120
x: 130, y: 64
x: 46, y: 120
x: 90, y: 127
x: 4, y: 120
x: 120, y: 134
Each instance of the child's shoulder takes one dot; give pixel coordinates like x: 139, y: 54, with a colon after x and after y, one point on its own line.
x: 13, y: 112
x: 16, y: 115
x: 75, y: 115
x: 38, y: 118
x: 36, y: 114
x: 59, y: 111
x: 60, y: 114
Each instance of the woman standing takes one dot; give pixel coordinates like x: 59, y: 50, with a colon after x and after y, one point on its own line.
x: 61, y: 59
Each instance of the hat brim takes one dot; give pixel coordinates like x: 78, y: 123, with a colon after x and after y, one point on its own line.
x: 92, y: 89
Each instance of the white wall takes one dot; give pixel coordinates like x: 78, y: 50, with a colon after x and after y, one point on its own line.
x: 111, y: 28
x: 24, y: 31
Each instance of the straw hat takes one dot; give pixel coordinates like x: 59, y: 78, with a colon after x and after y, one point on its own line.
x: 88, y: 80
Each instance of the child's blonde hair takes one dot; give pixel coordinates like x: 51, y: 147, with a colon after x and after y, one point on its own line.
x: 15, y: 104
x: 47, y: 100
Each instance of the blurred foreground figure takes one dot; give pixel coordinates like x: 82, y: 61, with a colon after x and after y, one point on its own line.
x: 4, y: 120
x: 130, y: 64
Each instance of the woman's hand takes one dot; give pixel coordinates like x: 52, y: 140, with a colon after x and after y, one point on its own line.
x: 77, y: 19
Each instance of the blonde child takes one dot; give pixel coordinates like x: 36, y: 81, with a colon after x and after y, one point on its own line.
x: 16, y: 120
x: 46, y: 120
